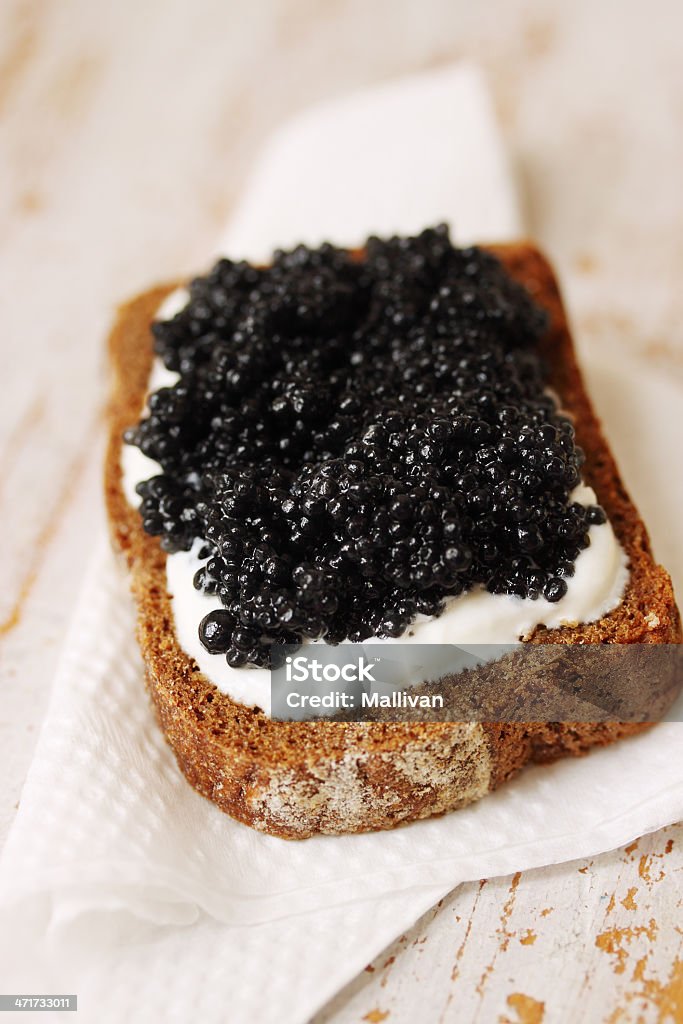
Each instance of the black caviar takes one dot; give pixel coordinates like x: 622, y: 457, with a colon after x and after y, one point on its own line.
x: 355, y: 441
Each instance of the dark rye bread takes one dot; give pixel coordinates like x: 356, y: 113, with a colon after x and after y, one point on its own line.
x: 301, y: 778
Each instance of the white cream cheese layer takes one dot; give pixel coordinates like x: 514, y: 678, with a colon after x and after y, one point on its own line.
x: 476, y: 617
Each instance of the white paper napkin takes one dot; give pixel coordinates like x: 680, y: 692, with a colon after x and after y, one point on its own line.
x: 118, y: 881
x: 396, y: 159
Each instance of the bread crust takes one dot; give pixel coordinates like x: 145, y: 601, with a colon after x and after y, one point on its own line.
x: 298, y: 779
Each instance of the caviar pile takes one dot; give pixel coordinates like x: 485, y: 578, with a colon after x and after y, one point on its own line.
x: 357, y: 441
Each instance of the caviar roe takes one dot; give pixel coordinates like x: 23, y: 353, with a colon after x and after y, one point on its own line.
x: 356, y: 441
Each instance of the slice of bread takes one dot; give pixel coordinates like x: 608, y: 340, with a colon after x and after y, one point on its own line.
x: 297, y: 779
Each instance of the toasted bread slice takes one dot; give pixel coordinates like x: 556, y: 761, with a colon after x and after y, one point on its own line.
x: 296, y: 779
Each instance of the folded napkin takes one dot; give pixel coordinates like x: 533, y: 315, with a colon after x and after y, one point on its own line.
x: 394, y: 160
x: 119, y: 882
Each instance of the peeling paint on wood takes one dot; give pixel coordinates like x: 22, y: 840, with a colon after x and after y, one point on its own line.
x: 608, y: 949
x: 528, y: 1010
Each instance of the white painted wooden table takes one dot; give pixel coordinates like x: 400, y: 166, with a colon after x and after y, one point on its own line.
x: 127, y: 131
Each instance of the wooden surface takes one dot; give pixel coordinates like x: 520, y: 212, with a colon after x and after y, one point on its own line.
x: 596, y: 940
x: 127, y: 131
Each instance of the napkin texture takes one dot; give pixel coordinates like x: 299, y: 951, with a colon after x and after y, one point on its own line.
x: 121, y: 883
x: 392, y: 160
